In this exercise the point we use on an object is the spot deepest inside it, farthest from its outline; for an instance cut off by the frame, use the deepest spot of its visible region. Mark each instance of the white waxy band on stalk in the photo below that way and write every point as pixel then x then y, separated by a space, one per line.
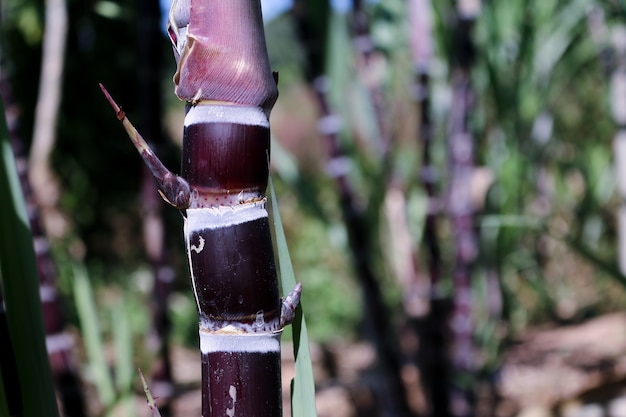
pixel 218 113
pixel 224 216
pixel 251 342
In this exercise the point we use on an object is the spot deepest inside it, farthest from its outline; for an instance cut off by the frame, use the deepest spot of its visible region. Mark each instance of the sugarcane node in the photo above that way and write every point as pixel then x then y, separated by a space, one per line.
pixel 120 115
pixel 175 191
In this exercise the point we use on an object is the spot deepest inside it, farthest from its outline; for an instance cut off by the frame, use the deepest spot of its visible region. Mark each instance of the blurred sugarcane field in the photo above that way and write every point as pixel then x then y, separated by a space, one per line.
pixel 449 177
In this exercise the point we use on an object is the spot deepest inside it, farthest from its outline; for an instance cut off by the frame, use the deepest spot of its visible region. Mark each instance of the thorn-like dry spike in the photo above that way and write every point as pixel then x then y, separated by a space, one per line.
pixel 290 304
pixel 174 189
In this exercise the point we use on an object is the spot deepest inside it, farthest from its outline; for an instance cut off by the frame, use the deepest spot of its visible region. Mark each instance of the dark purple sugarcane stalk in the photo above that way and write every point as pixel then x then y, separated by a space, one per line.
pixel 376 318
pixel 422 50
pixel 462 223
pixel 391 391
pixel 224 77
pixel 59 342
pixel 460 209
pixel 617 69
pixel 433 328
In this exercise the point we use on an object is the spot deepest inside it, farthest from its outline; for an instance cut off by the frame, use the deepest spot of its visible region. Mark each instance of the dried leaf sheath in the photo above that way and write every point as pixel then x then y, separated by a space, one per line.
pixel 223 57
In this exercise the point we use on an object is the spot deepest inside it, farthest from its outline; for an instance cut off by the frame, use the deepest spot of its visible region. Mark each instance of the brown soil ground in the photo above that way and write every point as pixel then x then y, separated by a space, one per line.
pixel 573 371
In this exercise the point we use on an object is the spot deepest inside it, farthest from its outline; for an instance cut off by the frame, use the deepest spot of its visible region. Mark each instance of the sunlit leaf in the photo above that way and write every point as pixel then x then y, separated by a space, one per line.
pixel 90 328
pixel 303 385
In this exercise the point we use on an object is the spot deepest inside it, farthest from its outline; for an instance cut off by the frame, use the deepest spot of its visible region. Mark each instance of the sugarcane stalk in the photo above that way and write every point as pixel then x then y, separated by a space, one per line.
pixel 391 392
pixel 432 328
pixel 618 110
pixel 224 77
pixel 460 209
pixel 422 51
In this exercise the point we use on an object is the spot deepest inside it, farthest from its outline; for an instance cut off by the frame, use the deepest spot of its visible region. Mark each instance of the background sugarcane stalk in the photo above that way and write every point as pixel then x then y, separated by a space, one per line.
pixel 422 50
pixel 460 210
pixel 391 392
pixel 618 110
pixel 432 326
pixel 376 320
pixel 224 76
pixel 368 64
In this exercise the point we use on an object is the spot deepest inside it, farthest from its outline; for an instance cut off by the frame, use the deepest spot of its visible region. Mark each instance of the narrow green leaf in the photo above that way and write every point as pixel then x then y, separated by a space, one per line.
pixel 339 66
pixel 4 405
pixel 303 385
pixel 18 269
pixel 90 328
pixel 11 395
pixel 122 339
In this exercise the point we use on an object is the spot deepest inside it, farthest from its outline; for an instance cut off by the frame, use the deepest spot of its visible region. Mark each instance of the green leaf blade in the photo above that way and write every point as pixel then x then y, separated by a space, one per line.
pixel 303 384
pixel 20 280
pixel 90 327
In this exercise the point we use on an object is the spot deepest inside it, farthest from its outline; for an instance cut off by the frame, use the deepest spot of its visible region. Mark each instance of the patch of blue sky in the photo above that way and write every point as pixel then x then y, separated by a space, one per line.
pixel 274 8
